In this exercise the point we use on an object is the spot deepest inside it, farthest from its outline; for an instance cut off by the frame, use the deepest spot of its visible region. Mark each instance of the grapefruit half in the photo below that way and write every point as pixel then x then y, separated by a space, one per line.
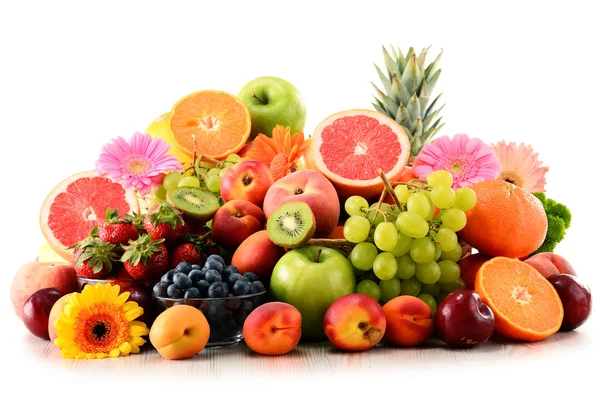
pixel 350 146
pixel 78 204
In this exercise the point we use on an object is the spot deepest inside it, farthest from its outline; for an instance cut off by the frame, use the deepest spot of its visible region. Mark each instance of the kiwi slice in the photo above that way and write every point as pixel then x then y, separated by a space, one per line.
pixel 291 225
pixel 194 202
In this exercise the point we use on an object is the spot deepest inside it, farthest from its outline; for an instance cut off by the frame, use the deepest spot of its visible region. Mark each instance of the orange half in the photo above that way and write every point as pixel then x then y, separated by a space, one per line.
pixel 210 123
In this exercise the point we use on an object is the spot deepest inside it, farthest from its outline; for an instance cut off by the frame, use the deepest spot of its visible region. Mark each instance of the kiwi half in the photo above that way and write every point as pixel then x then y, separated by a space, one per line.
pixel 194 202
pixel 291 225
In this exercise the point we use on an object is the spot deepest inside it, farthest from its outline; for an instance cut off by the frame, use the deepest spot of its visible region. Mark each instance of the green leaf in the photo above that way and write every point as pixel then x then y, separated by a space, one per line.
pixel 389 103
pixel 402 117
pixel 422 57
pixel 432 80
pixel 430 117
pixel 401 62
pixel 417 127
pixel 390 64
pixel 379 107
pixel 411 78
pixel 432 132
pixel 413 108
pixel 423 98
pixel 433 67
pixel 387 84
pixel 432 105
pixel 399 92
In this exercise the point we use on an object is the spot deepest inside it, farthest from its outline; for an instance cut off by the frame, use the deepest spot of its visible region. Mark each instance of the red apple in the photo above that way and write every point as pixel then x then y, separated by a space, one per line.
pixel 235 221
pixel 36 275
pixel 36 311
pixel 312 188
pixel 247 180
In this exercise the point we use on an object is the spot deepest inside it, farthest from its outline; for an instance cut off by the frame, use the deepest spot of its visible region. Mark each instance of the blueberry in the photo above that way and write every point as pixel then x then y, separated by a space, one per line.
pixel 241 288
pixel 229 294
pixel 174 292
pixel 203 287
pixel 168 277
pixel 217 258
pixel 211 263
pixel 213 276
pixel 229 270
pixel 251 276
pixel 196 266
pixel 184 267
pixel 258 286
pixel 246 308
pixel 192 293
pixel 234 277
pixel 182 281
pixel 196 275
pixel 160 289
pixel 252 289
pixel 232 304
pixel 217 290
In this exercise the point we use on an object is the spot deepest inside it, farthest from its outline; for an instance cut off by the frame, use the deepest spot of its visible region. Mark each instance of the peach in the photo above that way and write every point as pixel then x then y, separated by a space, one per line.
pixel 354 322
pixel 247 180
pixel 57 308
pixel 235 221
pixel 550 264
pixel 257 254
pixel 37 275
pixel 469 267
pixel 273 329
pixel 409 321
pixel 312 188
pixel 181 331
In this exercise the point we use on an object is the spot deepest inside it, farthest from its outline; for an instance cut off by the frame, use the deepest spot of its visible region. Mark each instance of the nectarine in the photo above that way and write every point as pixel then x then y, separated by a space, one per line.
pixel 247 180
pixel 235 221
pixel 548 263
pixel 273 329
pixel 257 254
pixel 409 321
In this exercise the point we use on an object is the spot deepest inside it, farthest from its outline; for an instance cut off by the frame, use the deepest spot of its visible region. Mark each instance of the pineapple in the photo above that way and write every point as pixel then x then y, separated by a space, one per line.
pixel 407 86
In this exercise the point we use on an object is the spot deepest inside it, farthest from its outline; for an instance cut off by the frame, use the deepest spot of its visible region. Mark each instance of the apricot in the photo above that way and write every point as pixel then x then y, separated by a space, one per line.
pixel 273 329
pixel 257 254
pixel 354 322
pixel 409 321
pixel 180 332
pixel 548 264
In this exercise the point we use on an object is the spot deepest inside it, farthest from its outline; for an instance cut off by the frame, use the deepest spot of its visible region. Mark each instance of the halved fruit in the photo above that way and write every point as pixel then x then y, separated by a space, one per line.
pixel 292 225
pixel 525 304
pixel 200 205
pixel 210 123
pixel 351 146
pixel 78 204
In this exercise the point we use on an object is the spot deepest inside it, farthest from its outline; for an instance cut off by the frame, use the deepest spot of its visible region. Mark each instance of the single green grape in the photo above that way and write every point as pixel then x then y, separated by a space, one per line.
pixel 412 225
pixel 189 181
pixel 383 208
pixel 385 266
pixel 402 245
pixel 406 267
pixel 422 250
pixel 402 192
pixel 223 171
pixel 369 288
pixel 171 180
pixel 356 229
pixel 458 284
pixel 386 236
pixel 466 198
pixel 440 178
pixel 233 158
pixel 161 193
pixel 432 289
pixel 411 287
pixel 213 171
pixel 390 289
pixel 356 205
pixel 446 238
pixel 438 253
pixel 207 164
pixel 363 255
pixel 213 183
pixel 453 255
pixel 453 219
pixel 428 272
pixel 443 197
pixel 450 272
pixel 418 204
pixel 430 301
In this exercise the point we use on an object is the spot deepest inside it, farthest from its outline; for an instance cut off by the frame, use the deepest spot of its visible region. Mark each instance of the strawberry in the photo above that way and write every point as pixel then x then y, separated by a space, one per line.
pixel 93 257
pixel 145 258
pixel 115 230
pixel 193 250
pixel 165 222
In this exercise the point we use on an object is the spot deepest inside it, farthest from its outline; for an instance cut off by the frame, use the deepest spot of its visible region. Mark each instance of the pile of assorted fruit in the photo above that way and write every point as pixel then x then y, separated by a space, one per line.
pixel 224 222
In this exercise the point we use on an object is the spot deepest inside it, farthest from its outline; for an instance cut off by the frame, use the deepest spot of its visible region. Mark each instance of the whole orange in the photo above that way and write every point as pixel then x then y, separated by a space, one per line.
pixel 506 221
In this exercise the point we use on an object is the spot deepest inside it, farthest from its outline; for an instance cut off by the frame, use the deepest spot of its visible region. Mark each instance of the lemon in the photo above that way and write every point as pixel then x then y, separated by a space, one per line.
pixel 159 128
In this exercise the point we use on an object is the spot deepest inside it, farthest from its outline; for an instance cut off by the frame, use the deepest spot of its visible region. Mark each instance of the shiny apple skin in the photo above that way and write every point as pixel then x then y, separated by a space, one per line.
pixel 576 298
pixel 36 311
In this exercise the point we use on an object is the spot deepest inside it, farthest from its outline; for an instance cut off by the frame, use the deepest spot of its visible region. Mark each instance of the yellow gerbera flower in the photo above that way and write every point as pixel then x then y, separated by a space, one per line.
pixel 98 323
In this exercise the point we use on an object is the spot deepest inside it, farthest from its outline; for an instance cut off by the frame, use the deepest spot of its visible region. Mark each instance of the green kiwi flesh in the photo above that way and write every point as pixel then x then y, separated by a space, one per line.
pixel 194 202
pixel 292 225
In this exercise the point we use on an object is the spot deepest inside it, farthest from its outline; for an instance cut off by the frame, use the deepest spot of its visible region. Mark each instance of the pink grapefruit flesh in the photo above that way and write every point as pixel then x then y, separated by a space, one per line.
pixel 351 146
pixel 77 204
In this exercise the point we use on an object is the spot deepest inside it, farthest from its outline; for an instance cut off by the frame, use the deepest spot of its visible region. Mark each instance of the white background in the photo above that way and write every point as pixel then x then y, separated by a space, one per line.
pixel 74 75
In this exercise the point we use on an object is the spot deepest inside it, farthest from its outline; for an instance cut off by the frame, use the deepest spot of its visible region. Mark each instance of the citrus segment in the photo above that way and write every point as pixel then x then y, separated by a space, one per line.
pixel 351 146
pixel 78 204
pixel 526 306
pixel 211 123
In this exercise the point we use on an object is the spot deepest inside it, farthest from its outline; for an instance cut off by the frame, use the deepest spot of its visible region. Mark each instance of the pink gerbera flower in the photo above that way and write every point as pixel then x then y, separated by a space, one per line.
pixel 520 166
pixel 138 164
pixel 468 160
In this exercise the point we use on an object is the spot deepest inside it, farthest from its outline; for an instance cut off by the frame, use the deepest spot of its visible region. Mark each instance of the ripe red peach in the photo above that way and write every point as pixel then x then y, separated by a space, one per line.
pixel 469 267
pixel 550 264
pixel 247 180
pixel 273 329
pixel 257 254
pixel 409 321
pixel 354 322
pixel 235 221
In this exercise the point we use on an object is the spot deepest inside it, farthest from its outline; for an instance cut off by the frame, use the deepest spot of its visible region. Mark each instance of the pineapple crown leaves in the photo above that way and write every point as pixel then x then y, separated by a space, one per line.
pixel 136 220
pixel 406 95
pixel 167 214
pixel 140 250
pixel 97 254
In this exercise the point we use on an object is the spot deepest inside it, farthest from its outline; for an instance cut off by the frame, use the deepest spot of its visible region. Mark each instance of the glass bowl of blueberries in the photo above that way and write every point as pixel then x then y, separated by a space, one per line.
pixel 224 296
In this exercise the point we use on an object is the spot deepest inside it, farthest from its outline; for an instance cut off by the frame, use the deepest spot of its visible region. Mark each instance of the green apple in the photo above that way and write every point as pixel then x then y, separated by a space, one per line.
pixel 273 101
pixel 311 278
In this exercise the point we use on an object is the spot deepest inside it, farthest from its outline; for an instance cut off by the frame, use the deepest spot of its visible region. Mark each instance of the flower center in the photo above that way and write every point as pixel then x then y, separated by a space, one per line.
pixel 279 165
pixel 100 328
pixel 456 168
pixel 137 164
pixel 100 331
